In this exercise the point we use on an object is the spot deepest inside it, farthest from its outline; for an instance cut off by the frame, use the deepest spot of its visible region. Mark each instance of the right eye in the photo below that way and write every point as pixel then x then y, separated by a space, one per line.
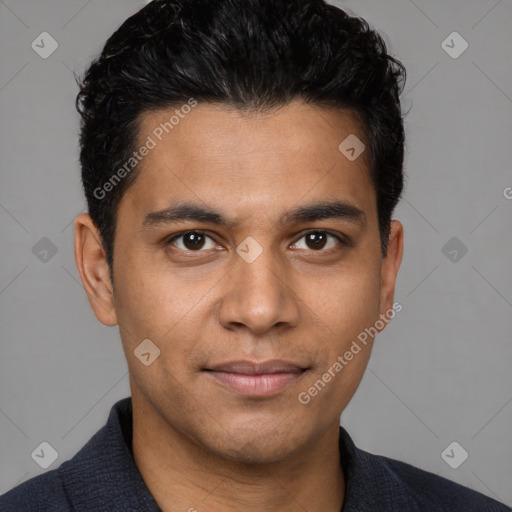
pixel 191 241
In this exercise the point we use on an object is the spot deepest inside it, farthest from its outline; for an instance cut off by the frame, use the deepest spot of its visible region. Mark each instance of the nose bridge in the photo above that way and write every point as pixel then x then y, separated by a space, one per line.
pixel 259 296
pixel 259 265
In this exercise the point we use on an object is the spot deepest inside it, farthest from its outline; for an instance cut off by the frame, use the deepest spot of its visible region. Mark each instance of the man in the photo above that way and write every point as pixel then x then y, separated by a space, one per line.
pixel 241 162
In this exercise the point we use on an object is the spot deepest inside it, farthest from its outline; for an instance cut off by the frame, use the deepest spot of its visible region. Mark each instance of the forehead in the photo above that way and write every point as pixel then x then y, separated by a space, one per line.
pixel 249 162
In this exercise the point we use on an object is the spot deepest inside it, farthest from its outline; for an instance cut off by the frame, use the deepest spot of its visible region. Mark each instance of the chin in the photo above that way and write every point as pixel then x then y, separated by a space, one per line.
pixel 256 445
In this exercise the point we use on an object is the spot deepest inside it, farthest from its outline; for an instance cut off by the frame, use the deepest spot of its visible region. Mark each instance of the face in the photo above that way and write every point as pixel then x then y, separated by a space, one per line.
pixel 252 303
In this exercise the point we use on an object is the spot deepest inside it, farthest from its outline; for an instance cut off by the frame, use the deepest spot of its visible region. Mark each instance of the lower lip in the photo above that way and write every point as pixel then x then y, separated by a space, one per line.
pixel 265 385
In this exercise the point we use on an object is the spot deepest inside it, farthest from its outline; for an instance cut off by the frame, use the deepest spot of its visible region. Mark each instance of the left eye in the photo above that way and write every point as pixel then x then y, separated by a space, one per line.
pixel 317 240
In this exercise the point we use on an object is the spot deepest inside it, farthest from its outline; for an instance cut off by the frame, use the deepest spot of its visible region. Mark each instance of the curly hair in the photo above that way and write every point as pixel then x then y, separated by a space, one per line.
pixel 254 55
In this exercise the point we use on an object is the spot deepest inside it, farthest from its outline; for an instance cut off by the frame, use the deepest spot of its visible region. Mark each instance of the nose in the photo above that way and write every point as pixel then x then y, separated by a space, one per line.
pixel 260 295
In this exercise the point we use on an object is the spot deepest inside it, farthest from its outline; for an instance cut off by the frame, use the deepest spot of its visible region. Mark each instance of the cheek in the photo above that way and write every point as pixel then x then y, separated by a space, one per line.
pixel 344 349
pixel 172 312
pixel 348 304
pixel 348 301
pixel 149 302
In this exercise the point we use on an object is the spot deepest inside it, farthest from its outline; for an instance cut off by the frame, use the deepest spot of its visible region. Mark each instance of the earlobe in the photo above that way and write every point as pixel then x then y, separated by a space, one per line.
pixel 391 265
pixel 93 269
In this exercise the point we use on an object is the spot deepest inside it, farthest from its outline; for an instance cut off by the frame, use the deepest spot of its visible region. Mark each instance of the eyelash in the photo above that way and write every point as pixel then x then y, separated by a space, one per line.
pixel 340 239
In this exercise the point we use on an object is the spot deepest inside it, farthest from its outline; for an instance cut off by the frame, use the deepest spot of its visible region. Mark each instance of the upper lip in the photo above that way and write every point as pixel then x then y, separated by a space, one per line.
pixel 257 368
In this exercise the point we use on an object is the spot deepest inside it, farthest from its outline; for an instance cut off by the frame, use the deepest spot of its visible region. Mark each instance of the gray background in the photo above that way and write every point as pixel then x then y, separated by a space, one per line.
pixel 439 373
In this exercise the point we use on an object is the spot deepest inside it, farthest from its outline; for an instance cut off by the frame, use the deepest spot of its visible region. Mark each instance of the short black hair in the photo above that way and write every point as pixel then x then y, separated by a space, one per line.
pixel 253 55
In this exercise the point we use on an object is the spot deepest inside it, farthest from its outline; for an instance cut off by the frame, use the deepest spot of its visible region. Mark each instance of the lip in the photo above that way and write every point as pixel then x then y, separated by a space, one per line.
pixel 256 379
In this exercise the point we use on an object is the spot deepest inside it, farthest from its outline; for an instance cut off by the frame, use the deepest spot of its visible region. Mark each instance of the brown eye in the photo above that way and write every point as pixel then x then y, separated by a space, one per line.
pixel 191 241
pixel 318 240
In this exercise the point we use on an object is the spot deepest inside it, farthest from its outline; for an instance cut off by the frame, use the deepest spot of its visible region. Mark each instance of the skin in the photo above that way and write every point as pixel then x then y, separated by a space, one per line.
pixel 199 445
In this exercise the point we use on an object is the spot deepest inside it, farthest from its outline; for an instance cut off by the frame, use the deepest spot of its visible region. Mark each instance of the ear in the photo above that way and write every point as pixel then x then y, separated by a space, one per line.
pixel 92 266
pixel 390 265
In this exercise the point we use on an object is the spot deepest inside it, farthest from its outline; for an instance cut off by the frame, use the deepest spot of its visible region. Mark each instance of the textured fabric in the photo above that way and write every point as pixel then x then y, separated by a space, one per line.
pixel 103 477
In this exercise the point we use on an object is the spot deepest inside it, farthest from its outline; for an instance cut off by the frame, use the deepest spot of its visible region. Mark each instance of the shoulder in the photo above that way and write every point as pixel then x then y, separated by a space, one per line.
pixel 433 492
pixel 60 489
pixel 376 482
pixel 43 493
pixel 102 475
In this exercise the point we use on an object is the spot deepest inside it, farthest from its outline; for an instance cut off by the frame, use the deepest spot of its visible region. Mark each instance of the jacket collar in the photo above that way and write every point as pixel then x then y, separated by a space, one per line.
pixel 370 483
pixel 103 474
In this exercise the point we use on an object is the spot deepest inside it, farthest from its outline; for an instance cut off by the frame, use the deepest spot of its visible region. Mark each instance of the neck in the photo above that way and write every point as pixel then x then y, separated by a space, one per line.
pixel 182 475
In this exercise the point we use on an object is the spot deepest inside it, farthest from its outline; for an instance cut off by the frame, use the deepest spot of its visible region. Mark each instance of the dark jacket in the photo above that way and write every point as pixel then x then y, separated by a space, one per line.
pixel 103 477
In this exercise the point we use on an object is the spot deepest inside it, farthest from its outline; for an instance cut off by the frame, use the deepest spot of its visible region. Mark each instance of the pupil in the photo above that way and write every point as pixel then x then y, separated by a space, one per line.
pixel 193 240
pixel 317 239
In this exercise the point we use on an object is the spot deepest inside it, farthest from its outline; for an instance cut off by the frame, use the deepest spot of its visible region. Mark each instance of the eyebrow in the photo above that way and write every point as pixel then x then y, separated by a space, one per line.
pixel 323 210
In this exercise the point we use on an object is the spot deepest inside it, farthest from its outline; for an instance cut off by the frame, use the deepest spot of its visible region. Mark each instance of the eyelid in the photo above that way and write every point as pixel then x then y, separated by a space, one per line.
pixel 340 237
pixel 170 239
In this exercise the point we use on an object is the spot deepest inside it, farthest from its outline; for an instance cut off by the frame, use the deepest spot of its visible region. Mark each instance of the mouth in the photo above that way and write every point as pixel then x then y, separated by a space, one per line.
pixel 256 380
